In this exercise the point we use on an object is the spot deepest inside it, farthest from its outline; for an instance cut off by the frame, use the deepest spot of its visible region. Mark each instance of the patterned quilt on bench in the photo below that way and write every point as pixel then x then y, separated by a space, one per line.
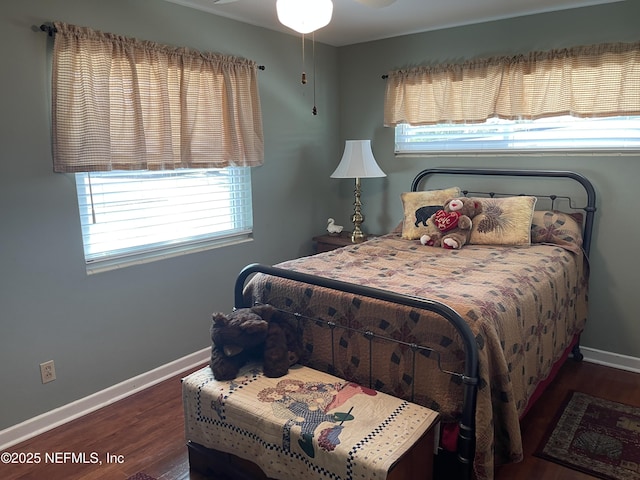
pixel 305 423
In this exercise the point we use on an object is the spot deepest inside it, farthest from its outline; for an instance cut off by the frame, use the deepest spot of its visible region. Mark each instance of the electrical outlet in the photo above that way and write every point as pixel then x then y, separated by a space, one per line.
pixel 48 371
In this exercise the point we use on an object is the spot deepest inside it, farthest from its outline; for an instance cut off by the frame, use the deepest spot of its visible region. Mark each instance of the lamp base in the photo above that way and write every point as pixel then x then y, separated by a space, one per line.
pixel 357 218
pixel 357 236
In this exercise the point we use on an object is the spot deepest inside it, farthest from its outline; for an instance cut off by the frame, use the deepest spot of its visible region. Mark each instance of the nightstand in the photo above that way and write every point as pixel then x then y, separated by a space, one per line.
pixel 327 242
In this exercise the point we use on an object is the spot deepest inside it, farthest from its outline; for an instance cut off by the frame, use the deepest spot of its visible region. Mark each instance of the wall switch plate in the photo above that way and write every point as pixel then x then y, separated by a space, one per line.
pixel 48 371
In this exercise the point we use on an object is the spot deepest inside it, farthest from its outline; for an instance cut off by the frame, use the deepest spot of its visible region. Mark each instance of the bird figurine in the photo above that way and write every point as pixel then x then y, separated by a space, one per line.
pixel 332 228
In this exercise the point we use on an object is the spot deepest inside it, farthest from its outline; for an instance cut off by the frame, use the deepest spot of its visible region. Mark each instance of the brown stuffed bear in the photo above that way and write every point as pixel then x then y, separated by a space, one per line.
pixel 451 226
pixel 253 333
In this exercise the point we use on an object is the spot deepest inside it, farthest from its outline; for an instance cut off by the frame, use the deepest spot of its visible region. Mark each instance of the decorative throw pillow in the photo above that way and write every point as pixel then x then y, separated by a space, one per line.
pixel 558 228
pixel 419 206
pixel 504 221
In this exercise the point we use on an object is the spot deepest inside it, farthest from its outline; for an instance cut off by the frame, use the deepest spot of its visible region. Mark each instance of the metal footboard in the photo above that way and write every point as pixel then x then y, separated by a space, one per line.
pixel 469 378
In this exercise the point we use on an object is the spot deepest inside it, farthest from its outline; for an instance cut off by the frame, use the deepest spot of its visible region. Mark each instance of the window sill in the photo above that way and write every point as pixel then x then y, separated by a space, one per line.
pixel 99 266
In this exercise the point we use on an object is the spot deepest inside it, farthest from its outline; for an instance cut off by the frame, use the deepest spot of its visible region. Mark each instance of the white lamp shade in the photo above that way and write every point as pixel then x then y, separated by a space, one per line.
pixel 304 16
pixel 358 161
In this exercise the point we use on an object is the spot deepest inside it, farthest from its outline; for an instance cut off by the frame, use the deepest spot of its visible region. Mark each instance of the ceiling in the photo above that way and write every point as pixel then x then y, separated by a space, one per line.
pixel 354 22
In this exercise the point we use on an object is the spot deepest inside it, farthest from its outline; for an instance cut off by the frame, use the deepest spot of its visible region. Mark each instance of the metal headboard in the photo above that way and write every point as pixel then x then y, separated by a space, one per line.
pixel 589 209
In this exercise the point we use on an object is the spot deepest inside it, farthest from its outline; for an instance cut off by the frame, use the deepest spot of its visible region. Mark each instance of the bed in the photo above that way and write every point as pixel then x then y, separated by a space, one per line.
pixel 474 334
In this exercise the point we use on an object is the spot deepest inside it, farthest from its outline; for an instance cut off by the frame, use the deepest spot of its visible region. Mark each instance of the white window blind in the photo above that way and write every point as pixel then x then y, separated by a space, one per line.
pixel 128 217
pixel 555 134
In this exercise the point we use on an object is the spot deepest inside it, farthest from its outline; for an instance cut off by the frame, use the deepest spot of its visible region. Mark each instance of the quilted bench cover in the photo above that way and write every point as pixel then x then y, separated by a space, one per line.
pixel 307 423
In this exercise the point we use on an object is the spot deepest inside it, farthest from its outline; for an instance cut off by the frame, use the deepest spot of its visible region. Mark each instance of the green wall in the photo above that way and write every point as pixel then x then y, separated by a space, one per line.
pixel 614 310
pixel 106 328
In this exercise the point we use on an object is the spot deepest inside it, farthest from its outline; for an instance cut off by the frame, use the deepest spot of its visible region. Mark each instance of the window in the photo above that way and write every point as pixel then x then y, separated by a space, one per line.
pixel 554 134
pixel 130 217
pixel 581 98
pixel 161 140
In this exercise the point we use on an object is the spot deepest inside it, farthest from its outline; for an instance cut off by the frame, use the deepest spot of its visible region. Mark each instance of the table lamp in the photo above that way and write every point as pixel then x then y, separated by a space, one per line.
pixel 357 162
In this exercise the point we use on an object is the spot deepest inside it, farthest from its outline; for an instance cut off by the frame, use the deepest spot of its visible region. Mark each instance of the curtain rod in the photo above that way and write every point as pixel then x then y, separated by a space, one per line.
pixel 50 30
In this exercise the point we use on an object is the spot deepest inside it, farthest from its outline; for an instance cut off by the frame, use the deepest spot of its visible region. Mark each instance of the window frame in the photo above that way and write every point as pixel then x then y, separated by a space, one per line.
pixel 238 187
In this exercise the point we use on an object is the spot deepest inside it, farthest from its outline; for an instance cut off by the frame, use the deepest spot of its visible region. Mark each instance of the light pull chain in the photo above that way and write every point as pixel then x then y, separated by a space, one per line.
pixel 313 44
pixel 303 80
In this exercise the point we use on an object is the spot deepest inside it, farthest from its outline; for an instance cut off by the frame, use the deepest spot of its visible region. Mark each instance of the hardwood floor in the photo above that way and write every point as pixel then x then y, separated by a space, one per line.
pixel 603 382
pixel 144 433
pixel 145 429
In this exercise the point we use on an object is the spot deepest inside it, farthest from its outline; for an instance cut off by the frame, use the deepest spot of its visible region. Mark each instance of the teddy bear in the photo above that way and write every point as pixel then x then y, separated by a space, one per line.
pixel 450 227
pixel 259 332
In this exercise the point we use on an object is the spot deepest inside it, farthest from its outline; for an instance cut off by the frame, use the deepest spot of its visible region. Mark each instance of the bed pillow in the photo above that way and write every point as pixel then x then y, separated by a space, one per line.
pixel 558 228
pixel 417 206
pixel 504 221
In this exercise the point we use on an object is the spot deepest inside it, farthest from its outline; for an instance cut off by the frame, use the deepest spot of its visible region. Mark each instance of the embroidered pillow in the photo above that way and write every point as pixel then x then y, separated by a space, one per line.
pixel 419 206
pixel 504 221
pixel 558 228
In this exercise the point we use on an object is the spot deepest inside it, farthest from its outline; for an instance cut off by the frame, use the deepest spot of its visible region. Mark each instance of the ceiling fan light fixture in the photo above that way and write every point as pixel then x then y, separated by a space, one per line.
pixel 304 16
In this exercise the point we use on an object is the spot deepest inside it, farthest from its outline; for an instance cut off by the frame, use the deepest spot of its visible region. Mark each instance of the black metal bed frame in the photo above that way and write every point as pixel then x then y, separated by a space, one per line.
pixel 466 435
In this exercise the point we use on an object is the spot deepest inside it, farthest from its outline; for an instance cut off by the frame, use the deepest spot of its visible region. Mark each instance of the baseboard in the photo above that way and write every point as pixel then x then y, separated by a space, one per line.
pixel 615 360
pixel 59 416
pixel 54 418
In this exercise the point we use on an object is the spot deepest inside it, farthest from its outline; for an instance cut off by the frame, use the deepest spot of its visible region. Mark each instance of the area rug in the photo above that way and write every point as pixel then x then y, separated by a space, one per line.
pixel 141 476
pixel 595 436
